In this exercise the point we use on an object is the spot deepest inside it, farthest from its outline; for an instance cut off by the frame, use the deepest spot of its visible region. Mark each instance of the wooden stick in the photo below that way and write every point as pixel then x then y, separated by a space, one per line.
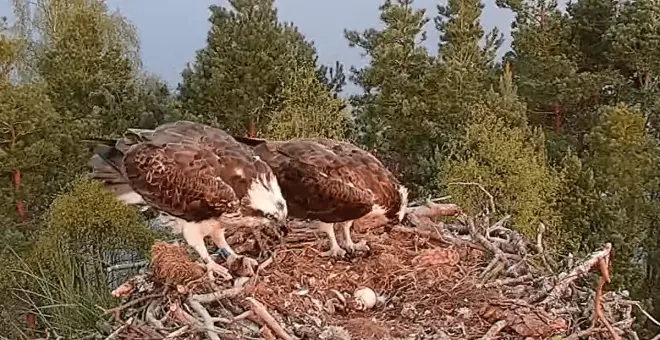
pixel 261 312
pixel 131 303
pixel 219 295
pixel 494 330
pixel 208 321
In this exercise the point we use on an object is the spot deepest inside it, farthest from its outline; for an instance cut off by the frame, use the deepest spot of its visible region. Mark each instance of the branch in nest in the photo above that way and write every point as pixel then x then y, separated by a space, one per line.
pixel 432 210
pixel 481 187
pixel 593 331
pixel 131 303
pixel 638 305
pixel 206 317
pixel 579 271
pixel 603 263
pixel 504 282
pixel 494 330
pixel 125 266
pixel 218 295
pixel 261 312
pixel 177 333
pixel 118 331
pixel 487 244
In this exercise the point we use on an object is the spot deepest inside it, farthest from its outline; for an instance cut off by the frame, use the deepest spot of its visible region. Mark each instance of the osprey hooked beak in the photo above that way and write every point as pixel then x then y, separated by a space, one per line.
pixel 279 217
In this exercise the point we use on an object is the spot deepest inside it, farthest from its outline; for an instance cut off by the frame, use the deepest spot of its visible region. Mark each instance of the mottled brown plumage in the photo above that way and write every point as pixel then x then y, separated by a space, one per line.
pixel 198 175
pixel 332 181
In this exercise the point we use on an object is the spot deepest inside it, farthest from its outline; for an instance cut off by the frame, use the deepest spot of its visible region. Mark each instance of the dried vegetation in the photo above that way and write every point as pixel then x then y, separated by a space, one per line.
pixel 468 279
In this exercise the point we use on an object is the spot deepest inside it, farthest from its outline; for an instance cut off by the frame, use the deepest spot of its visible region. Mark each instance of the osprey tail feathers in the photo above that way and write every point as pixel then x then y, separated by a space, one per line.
pixel 107 165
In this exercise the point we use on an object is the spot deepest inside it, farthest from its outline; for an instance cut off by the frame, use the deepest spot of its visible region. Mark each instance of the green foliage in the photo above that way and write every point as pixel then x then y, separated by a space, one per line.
pixel 393 115
pixel 64 272
pixel 576 201
pixel 308 110
pixel 624 161
pixel 509 162
pixel 30 140
pixel 241 73
pixel 88 219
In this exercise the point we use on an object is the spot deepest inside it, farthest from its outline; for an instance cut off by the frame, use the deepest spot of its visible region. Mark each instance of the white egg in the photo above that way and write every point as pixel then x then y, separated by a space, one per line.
pixel 365 298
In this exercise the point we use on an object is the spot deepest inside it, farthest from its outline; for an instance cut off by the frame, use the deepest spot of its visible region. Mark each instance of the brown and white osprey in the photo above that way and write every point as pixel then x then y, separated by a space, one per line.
pixel 198 175
pixel 333 182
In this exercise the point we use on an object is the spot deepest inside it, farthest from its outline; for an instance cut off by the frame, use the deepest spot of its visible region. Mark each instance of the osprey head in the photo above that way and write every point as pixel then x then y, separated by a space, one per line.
pixel 266 198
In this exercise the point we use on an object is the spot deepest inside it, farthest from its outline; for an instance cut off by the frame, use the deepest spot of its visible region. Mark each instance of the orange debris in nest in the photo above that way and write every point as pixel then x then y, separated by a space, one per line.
pixel 171 264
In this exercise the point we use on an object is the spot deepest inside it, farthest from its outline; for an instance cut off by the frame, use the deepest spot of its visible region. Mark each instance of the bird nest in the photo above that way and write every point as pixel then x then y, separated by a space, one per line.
pixel 432 280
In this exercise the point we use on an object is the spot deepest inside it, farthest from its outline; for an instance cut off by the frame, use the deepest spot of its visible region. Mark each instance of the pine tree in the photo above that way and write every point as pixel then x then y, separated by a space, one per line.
pixel 560 94
pixel 393 112
pixel 89 59
pixel 635 39
pixel 507 158
pixel 241 73
pixel 308 110
pixel 623 158
pixel 465 69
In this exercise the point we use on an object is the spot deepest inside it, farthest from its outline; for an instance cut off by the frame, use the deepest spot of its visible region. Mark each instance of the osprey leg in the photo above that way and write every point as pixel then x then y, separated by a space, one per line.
pixel 194 234
pixel 218 237
pixel 348 242
pixel 335 250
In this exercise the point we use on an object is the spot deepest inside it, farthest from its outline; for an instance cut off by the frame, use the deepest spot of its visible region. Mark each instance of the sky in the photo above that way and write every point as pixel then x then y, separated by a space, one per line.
pixel 172 30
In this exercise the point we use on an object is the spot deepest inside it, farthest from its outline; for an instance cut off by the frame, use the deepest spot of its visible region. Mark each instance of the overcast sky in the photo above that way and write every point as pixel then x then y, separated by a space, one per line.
pixel 172 30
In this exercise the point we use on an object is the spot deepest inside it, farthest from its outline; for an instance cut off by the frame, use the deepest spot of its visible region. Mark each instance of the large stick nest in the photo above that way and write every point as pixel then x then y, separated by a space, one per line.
pixel 462 280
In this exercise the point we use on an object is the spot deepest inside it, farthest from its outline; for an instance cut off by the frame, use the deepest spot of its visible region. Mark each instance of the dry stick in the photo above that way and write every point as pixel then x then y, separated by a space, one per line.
pixel 151 318
pixel 481 187
pixel 219 295
pixel 598 303
pixel 499 225
pixel 208 321
pixel 494 330
pixel 261 312
pixel 638 305
pixel 131 303
pixel 541 249
pixel 431 209
pixel 592 331
pixel 579 271
pixel 488 268
pixel 504 282
pixel 120 329
pixel 487 244
pixel 176 333
pixel 127 266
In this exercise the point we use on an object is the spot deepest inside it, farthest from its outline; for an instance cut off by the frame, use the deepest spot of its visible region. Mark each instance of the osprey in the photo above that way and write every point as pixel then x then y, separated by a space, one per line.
pixel 333 182
pixel 199 177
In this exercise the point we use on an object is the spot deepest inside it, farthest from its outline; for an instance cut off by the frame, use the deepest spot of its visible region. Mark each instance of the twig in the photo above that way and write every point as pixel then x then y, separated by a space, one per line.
pixel 540 248
pixel 150 316
pixel 176 333
pixel 494 330
pixel 598 303
pixel 208 321
pixel 504 282
pixel 487 244
pixel 428 199
pixel 638 305
pixel 591 331
pixel 431 209
pixel 219 295
pixel 131 303
pixel 481 187
pixel 261 312
pixel 499 225
pixel 127 266
pixel 579 271
pixel 120 329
